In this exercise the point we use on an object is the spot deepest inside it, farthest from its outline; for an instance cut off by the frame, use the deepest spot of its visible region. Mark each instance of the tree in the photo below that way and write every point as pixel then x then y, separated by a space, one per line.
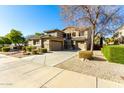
pixel 4 40
pixel 16 37
pixel 1 41
pixel 101 19
pixel 38 34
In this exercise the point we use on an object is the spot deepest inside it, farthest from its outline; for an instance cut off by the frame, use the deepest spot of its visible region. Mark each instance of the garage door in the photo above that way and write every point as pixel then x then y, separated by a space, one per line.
pixel 56 45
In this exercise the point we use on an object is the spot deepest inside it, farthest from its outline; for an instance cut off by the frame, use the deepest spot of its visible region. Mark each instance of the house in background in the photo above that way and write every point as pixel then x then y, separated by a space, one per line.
pixel 68 38
pixel 52 40
pixel 119 35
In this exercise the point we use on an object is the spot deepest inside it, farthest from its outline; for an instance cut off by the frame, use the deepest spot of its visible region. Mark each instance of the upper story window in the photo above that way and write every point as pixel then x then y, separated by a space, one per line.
pixel 81 33
pixel 74 34
pixel 120 33
pixel 36 42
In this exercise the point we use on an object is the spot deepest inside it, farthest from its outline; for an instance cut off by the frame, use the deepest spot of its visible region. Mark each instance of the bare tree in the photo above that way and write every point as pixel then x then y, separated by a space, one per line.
pixel 101 19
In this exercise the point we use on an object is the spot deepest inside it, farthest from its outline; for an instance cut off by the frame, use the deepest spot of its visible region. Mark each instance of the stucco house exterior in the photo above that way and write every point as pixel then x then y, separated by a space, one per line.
pixel 119 35
pixel 68 38
pixel 77 36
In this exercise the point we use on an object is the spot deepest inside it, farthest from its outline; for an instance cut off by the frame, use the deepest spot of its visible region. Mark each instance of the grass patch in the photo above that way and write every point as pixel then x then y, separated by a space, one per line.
pixel 114 53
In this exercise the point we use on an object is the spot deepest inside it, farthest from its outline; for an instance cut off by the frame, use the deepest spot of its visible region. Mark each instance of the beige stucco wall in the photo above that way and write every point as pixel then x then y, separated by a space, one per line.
pixel 53 34
pixel 47 44
pixel 121 31
pixel 31 43
pixel 60 34
pixel 56 34
pixel 86 34
pixel 72 30
pixel 39 43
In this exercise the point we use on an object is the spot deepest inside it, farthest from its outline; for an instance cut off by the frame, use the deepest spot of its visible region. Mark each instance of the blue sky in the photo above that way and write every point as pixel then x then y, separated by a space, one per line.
pixel 30 19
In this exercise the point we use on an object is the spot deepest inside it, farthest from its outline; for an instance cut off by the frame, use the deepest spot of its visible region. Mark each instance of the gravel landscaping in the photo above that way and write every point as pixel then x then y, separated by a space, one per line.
pixel 17 54
pixel 98 67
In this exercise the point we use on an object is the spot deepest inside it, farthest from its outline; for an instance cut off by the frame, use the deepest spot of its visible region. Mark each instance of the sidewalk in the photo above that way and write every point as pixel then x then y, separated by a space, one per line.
pixel 37 76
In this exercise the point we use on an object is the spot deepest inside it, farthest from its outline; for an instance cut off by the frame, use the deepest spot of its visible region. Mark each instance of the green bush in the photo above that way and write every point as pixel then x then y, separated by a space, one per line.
pixel 40 50
pixel 34 51
pixel 114 53
pixel 30 48
pixel 44 50
pixel 6 49
pixel 24 48
pixel 85 54
pixel 0 49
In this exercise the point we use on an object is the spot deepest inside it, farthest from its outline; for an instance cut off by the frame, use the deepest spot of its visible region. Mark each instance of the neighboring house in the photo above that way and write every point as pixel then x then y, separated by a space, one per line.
pixel 52 40
pixel 120 31
pixel 68 38
pixel 119 35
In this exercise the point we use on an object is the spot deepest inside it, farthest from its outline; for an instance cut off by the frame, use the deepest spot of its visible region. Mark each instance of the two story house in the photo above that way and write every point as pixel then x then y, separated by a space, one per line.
pixel 68 38
pixel 77 37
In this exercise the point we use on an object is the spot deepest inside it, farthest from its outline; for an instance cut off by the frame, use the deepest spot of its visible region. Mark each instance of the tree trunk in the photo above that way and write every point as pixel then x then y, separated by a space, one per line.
pixel 92 40
pixel 101 41
pixel 3 45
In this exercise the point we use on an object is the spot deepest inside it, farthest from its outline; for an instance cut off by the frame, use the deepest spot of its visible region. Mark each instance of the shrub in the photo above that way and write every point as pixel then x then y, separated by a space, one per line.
pixel 44 50
pixel 0 48
pixel 40 50
pixel 85 54
pixel 30 48
pixel 114 53
pixel 20 47
pixel 34 51
pixel 24 48
pixel 6 49
pixel 34 47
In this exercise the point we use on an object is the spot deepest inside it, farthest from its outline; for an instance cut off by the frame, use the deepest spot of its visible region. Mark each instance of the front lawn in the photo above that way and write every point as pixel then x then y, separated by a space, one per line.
pixel 114 53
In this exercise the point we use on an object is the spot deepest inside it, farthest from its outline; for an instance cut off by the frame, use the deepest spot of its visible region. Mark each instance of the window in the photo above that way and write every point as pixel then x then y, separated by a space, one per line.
pixel 120 33
pixel 74 34
pixel 36 42
pixel 64 35
pixel 81 33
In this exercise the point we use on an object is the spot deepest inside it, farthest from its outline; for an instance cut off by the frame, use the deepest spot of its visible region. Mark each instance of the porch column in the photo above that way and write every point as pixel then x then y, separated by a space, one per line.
pixel 42 43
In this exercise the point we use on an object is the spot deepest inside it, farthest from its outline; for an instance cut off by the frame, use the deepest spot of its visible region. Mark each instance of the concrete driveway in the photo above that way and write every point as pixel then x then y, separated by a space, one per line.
pixel 31 72
pixel 51 59
pixel 6 59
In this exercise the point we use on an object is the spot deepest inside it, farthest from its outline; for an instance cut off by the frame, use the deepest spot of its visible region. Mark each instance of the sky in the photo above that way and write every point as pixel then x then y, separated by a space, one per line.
pixel 30 19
